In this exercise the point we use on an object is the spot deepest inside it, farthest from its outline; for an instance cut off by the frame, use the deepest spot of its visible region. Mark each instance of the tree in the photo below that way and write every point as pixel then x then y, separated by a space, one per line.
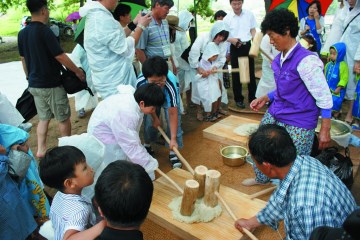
pixel 7 4
pixel 201 8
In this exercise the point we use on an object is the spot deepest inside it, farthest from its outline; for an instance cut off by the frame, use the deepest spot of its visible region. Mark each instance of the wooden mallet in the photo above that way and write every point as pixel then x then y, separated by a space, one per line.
pixel 256 48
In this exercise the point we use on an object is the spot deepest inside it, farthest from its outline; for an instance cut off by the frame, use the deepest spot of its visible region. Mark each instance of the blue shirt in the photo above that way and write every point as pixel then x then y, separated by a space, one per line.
pixel 171 89
pixel 309 196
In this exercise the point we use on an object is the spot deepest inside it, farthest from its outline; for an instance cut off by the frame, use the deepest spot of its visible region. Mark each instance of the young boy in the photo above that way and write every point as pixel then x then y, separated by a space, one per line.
pixel 337 75
pixel 156 70
pixel 124 193
pixel 206 86
pixel 65 169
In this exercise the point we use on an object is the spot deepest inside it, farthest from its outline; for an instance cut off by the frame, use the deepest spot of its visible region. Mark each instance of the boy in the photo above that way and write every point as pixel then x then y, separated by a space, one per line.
pixel 116 123
pixel 65 169
pixel 337 75
pixel 155 70
pixel 124 193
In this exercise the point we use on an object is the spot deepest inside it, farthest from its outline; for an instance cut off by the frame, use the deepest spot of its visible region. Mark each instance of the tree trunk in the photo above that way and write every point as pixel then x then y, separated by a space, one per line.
pixel 189 197
pixel 212 185
pixel 199 176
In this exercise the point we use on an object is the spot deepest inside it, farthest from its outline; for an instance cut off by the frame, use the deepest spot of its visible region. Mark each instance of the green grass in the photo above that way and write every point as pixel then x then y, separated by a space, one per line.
pixel 9 52
pixel 10 23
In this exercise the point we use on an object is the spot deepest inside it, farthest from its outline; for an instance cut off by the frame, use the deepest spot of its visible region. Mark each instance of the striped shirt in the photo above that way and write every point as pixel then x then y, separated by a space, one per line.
pixel 171 89
pixel 154 37
pixel 70 211
pixel 308 197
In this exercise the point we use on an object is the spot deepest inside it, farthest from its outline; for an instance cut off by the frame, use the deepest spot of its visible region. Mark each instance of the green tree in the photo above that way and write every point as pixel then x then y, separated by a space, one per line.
pixel 71 4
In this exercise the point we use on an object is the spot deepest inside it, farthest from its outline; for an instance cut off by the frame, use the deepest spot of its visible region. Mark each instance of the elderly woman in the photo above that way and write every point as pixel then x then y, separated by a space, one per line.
pixel 314 23
pixel 218 34
pixel 301 90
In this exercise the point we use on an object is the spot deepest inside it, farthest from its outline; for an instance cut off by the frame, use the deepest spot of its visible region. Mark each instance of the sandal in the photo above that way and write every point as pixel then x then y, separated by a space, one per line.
pixel 355 126
pixel 223 112
pixel 210 118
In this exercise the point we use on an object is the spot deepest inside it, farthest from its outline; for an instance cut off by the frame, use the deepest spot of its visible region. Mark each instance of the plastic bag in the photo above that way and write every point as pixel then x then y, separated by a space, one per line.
pixel 339 164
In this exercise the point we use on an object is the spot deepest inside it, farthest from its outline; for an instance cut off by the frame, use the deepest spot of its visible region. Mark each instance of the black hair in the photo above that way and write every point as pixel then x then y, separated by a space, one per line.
pixel 272 143
pixel 311 40
pixel 280 21
pixel 35 5
pixel 155 66
pixel 172 33
pixel 151 94
pixel 237 0
pixel 223 33
pixel 168 3
pixel 121 10
pixel 59 164
pixel 318 5
pixel 124 192
pixel 219 13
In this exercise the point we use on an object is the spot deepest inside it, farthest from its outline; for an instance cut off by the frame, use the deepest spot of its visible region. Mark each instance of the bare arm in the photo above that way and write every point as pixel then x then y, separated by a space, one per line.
pixel 253 32
pixel 324 134
pixel 90 233
pixel 173 118
pixel 66 61
pixel 24 67
pixel 140 55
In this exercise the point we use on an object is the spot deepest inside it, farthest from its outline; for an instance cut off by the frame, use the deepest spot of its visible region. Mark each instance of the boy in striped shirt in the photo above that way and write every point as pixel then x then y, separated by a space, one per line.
pixel 65 169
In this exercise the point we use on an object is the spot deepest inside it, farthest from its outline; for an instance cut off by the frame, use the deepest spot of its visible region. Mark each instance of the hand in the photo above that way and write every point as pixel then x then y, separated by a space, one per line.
pixel 203 73
pixel 24 147
pixel 145 20
pixel 173 143
pixel 233 41
pixel 249 224
pixel 136 19
pixel 357 67
pixel 214 69
pixel 316 15
pixel 337 90
pixel 324 134
pixel 80 74
pixel 307 28
pixel 258 103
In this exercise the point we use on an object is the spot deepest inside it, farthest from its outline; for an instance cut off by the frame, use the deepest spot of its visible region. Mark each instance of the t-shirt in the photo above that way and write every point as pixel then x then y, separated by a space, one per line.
pixel 39 46
pixel 70 211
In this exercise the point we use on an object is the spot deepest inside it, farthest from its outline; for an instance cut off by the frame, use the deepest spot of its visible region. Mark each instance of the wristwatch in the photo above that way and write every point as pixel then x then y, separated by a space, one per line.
pixel 141 26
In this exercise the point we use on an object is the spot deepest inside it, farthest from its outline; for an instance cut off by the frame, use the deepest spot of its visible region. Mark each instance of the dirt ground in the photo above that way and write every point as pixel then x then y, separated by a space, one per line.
pixel 198 151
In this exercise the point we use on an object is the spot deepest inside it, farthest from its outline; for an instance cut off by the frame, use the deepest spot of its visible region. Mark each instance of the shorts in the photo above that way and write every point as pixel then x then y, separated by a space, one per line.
pixel 51 102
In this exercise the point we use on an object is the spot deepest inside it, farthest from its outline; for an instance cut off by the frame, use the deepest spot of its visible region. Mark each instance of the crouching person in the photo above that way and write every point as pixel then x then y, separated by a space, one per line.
pixel 309 194
pixel 123 192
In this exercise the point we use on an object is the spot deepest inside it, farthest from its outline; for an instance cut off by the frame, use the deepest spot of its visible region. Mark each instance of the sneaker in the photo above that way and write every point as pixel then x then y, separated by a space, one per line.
pixel 251 182
pixel 25 126
pixel 240 105
pixel 149 150
pixel 355 126
pixel 175 162
pixel 81 113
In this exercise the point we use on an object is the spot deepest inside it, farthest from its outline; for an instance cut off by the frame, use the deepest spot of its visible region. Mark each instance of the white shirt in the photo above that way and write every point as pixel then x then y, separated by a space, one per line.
pixel 70 211
pixel 240 25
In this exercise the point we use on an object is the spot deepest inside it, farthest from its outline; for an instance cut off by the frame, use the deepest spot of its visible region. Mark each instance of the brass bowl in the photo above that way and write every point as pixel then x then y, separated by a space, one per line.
pixel 338 128
pixel 233 156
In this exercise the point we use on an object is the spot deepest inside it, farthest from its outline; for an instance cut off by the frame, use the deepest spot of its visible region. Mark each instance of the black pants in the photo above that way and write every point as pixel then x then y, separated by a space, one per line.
pixel 237 86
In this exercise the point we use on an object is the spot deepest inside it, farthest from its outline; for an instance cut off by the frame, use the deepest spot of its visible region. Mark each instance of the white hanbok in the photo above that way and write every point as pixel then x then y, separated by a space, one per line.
pixel 108 50
pixel 116 122
pixel 208 87
pixel 198 48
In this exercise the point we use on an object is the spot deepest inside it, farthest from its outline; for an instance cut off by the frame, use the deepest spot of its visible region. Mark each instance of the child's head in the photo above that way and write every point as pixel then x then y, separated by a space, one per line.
pixel 308 41
pixel 155 70
pixel 211 52
pixel 124 192
pixel 333 54
pixel 219 15
pixel 65 168
pixel 149 96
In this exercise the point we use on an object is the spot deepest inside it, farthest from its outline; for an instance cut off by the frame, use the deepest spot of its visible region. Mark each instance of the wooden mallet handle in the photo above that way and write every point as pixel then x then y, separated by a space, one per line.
pixel 263 192
pixel 170 180
pixel 181 158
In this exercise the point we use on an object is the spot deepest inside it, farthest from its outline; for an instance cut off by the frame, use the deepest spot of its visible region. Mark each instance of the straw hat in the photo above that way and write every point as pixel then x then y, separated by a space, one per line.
pixel 174 23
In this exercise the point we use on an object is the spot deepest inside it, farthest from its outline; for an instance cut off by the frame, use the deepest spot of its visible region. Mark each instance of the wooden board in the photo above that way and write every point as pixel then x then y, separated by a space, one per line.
pixel 219 228
pixel 223 131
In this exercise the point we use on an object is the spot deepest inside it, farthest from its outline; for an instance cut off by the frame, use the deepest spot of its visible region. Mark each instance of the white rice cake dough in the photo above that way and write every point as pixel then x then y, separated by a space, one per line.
pixel 246 129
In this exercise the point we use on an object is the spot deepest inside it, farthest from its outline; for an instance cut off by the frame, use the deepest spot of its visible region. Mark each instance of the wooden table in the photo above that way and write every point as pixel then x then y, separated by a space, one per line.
pixel 219 228
pixel 223 131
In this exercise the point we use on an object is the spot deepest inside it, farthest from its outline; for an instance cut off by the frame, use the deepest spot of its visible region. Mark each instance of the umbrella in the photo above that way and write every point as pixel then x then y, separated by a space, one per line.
pixel 298 7
pixel 72 16
pixel 136 6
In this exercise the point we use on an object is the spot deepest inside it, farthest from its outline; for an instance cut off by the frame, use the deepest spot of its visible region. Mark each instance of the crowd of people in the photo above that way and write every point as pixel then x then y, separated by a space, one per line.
pixel 141 69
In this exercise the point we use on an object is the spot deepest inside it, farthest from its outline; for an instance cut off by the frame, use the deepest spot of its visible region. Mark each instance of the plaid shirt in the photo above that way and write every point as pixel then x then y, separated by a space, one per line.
pixel 309 196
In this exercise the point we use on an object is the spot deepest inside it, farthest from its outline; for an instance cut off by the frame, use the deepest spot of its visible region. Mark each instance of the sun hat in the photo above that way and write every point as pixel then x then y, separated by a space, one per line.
pixel 174 23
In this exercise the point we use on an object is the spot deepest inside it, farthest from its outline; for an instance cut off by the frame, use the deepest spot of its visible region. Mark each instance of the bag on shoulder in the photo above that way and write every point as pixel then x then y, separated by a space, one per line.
pixel 26 105
pixel 71 83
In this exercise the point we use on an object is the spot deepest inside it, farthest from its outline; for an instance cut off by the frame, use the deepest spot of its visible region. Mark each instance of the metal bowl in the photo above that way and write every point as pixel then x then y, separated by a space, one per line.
pixel 233 156
pixel 338 128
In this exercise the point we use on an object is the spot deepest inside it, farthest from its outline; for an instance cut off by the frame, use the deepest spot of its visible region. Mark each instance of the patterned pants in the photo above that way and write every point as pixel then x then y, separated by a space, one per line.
pixel 303 140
